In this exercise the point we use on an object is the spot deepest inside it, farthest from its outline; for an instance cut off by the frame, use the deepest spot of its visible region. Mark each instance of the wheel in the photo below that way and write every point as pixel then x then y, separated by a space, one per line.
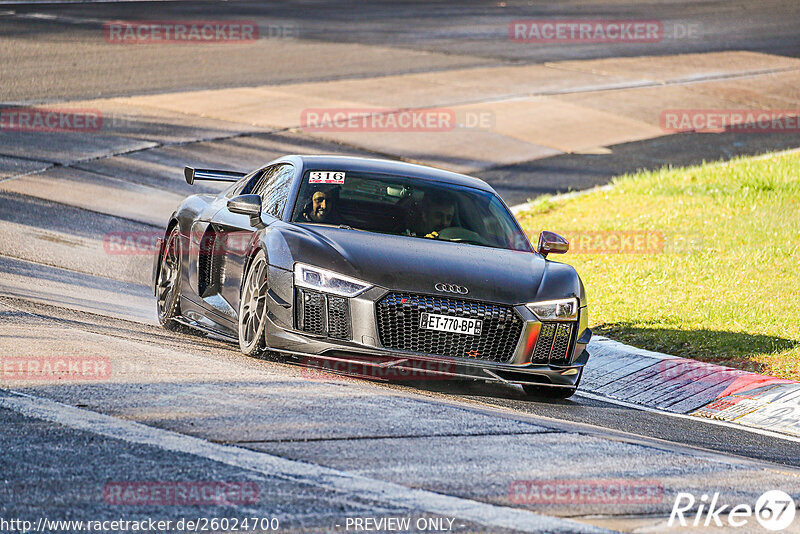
pixel 169 283
pixel 253 307
pixel 547 392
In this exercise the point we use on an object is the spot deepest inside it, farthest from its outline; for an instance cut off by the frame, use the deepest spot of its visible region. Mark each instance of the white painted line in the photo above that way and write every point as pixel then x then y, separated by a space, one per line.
pixel 752 430
pixel 603 345
pixel 354 486
pixel 516 209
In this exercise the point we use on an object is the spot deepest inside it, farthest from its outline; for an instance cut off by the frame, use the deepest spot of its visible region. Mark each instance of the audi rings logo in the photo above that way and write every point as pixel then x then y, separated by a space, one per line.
pixel 451 288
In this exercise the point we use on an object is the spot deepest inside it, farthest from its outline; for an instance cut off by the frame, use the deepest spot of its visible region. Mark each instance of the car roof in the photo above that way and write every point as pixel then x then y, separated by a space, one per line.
pixel 356 164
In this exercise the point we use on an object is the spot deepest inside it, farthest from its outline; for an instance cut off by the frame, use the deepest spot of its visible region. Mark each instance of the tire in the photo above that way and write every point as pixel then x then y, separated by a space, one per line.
pixel 168 288
pixel 253 307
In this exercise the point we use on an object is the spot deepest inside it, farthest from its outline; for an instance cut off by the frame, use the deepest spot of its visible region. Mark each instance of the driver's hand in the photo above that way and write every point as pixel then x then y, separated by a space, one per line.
pixel 433 235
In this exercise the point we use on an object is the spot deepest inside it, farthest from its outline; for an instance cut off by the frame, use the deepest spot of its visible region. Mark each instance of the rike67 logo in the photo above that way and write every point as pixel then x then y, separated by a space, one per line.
pixel 773 510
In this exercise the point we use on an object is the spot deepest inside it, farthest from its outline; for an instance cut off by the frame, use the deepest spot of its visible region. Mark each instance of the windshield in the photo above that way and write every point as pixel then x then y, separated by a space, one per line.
pixel 406 206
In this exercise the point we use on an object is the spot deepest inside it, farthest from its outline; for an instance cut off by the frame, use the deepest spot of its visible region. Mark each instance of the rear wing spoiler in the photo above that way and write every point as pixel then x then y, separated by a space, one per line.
pixel 191 174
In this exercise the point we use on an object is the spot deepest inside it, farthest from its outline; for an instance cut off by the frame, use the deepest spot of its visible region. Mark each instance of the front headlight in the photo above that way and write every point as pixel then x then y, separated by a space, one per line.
pixel 555 310
pixel 327 281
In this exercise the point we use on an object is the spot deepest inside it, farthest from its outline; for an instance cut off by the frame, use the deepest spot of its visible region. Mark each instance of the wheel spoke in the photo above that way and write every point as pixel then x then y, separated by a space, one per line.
pixel 250 327
pixel 253 281
pixel 253 303
pixel 168 277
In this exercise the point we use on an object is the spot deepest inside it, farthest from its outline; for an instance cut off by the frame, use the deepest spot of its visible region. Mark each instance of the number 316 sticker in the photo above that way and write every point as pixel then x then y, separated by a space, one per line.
pixel 325 177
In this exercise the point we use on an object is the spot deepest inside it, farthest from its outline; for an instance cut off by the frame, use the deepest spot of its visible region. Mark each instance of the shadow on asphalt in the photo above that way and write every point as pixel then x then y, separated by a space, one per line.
pixel 521 182
pixel 474 389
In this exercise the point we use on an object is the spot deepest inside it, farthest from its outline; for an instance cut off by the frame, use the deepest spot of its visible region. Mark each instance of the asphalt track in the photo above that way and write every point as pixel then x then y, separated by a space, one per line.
pixel 50 43
pixel 64 294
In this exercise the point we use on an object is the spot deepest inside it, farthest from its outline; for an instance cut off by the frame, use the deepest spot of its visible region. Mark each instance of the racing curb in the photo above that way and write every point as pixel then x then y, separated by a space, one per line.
pixel 684 386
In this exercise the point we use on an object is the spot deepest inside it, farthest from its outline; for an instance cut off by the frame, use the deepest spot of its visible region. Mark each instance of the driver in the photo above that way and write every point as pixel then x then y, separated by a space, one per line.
pixel 436 212
pixel 321 208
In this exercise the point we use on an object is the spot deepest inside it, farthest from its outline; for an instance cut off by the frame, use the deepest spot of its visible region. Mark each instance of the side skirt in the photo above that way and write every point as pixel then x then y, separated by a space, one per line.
pixel 206 330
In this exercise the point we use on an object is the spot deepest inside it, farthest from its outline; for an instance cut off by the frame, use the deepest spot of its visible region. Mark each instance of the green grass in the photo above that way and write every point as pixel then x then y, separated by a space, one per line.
pixel 725 287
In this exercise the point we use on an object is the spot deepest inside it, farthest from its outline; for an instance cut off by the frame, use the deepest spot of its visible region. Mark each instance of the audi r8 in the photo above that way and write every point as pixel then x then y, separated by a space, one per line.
pixel 385 265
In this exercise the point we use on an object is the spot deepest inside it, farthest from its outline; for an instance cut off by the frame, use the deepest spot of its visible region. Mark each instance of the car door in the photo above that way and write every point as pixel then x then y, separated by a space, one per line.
pixel 201 235
pixel 233 235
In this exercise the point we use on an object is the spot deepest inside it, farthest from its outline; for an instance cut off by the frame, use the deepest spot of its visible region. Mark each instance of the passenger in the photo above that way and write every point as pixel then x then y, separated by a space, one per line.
pixel 322 208
pixel 436 212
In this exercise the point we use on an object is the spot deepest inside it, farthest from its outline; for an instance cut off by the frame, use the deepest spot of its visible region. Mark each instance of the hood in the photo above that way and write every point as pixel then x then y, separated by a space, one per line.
pixel 416 265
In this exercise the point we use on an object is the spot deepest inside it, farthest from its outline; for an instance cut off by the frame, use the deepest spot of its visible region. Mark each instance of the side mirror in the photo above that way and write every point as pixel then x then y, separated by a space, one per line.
pixel 550 242
pixel 249 205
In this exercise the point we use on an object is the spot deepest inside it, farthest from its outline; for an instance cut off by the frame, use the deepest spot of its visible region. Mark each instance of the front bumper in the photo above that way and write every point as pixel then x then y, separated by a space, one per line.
pixel 362 353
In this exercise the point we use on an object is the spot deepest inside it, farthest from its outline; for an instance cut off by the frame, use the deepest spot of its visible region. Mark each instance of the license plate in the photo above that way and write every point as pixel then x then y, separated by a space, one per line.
pixel 446 323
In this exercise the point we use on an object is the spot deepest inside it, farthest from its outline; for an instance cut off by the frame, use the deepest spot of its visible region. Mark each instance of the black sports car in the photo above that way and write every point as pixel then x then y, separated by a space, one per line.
pixel 379 264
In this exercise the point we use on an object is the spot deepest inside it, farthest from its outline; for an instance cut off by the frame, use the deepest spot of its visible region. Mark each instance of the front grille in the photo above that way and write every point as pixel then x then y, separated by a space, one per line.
pixel 311 308
pixel 544 343
pixel 338 317
pixel 321 314
pixel 553 343
pixel 399 327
